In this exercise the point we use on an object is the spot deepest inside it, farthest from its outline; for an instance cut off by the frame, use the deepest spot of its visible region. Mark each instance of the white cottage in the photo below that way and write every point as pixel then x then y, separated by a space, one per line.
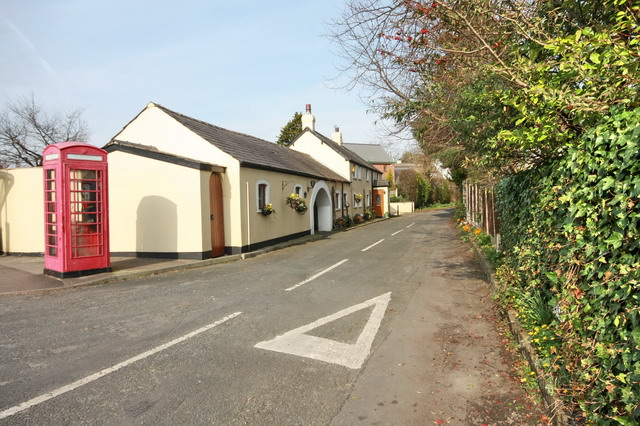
pixel 183 188
pixel 361 188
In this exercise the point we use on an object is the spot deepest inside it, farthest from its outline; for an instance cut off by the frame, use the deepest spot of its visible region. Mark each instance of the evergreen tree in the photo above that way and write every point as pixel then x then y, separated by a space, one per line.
pixel 291 130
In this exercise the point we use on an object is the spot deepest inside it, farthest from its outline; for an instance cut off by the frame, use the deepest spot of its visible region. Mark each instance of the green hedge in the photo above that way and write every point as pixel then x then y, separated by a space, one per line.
pixel 571 235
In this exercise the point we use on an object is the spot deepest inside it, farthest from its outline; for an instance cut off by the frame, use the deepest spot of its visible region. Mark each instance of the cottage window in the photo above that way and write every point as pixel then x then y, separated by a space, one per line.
pixel 368 198
pixel 356 202
pixel 338 201
pixel 345 199
pixel 297 189
pixel 368 174
pixel 263 194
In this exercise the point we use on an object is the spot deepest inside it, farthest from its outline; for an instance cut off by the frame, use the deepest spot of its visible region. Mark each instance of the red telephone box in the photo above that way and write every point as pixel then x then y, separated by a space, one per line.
pixel 76 210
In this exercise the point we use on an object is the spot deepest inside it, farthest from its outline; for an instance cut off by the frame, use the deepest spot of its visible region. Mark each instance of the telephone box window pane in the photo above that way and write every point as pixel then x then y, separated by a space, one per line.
pixel 53 251
pixel 51 174
pixel 51 229
pixel 86 212
pixel 51 218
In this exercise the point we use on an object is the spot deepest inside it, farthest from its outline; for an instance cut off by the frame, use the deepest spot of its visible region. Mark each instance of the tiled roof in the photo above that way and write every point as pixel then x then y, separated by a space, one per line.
pixel 340 149
pixel 255 152
pixel 374 154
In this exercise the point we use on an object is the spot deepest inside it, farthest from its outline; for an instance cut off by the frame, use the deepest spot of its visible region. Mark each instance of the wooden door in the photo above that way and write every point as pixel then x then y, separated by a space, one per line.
pixel 378 202
pixel 216 215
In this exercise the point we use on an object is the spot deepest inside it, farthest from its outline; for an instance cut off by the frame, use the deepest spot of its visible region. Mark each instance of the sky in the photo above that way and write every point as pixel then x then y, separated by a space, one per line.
pixel 244 65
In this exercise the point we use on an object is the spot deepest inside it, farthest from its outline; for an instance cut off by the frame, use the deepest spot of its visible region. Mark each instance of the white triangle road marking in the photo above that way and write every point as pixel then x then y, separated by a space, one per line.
pixel 296 342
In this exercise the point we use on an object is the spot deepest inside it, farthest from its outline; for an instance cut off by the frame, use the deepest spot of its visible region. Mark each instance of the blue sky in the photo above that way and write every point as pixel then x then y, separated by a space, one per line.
pixel 242 65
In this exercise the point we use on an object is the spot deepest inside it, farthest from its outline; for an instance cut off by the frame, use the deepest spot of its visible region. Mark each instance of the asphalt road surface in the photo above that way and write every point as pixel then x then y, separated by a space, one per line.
pixel 389 323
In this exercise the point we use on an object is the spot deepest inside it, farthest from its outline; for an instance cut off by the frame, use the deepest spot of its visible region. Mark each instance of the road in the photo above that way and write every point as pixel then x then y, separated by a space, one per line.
pixel 387 323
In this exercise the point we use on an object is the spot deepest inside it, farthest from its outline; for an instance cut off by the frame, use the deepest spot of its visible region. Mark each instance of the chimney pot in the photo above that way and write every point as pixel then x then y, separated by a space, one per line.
pixel 308 109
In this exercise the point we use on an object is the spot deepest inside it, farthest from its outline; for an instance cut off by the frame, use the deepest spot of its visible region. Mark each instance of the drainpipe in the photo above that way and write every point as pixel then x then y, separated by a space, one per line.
pixel 342 202
pixel 248 221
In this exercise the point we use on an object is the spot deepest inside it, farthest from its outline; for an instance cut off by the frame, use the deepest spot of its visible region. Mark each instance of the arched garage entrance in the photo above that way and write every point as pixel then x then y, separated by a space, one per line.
pixel 321 219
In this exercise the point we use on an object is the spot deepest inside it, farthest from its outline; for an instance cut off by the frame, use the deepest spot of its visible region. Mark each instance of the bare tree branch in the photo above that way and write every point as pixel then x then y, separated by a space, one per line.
pixel 25 130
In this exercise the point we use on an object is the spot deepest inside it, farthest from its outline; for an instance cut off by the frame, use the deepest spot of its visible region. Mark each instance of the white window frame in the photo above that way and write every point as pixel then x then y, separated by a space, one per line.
pixel 368 175
pixel 345 199
pixel 297 189
pixel 368 198
pixel 267 194
pixel 338 200
pixel 356 203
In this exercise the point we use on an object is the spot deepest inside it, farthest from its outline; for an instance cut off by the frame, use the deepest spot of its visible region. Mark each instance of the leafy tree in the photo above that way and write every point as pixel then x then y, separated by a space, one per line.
pixel 407 184
pixel 390 178
pixel 510 83
pixel 291 130
pixel 423 192
pixel 25 130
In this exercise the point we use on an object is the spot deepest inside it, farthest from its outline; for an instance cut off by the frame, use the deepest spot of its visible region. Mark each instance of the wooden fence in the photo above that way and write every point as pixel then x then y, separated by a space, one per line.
pixel 480 205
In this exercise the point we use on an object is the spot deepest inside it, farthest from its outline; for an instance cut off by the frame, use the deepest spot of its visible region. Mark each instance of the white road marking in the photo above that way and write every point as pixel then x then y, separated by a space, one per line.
pixel 397 232
pixel 411 225
pixel 64 389
pixel 374 244
pixel 296 342
pixel 316 275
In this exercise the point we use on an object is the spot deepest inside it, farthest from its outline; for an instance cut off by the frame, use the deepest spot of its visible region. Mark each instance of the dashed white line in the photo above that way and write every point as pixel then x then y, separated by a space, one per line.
pixel 397 232
pixel 64 389
pixel 316 275
pixel 411 225
pixel 374 244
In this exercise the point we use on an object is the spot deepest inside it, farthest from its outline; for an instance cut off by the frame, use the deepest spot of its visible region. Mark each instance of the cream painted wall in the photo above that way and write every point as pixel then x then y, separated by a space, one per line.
pixel 398 209
pixel 21 211
pixel 154 127
pixel 285 221
pixel 309 144
pixel 359 186
pixel 155 206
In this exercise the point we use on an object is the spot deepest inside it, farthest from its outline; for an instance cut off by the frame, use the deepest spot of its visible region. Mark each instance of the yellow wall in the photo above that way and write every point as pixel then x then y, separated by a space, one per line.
pixel 21 210
pixel 155 206
pixel 285 221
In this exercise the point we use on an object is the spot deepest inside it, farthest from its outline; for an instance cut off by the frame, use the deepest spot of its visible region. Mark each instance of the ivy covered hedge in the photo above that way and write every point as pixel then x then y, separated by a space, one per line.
pixel 571 235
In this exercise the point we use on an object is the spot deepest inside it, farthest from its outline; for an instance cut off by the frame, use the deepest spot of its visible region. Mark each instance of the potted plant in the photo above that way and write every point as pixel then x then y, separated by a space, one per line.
pixel 267 210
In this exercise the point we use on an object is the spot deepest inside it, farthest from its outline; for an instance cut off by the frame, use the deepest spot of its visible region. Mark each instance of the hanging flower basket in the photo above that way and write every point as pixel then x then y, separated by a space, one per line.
pixel 301 207
pixel 267 210
pixel 297 203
